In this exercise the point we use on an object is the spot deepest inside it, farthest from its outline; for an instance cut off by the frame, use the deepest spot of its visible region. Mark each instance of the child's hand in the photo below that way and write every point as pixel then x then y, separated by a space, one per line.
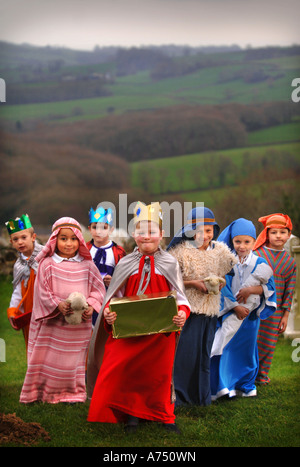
pixel 106 280
pixel 243 295
pixel 179 319
pixel 283 323
pixel 65 308
pixel 200 285
pixel 87 314
pixel 12 324
pixel 109 316
pixel 241 312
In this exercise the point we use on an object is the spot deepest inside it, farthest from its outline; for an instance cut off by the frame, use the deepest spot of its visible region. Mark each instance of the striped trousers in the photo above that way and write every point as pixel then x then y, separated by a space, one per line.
pixel 266 342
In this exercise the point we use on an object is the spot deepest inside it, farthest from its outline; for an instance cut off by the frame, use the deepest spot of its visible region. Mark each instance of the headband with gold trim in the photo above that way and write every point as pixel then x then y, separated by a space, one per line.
pixel 196 221
pixel 66 226
pixel 276 221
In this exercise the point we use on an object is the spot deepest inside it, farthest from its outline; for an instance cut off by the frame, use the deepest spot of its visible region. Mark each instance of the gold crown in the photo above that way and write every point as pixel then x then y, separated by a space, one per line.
pixel 152 212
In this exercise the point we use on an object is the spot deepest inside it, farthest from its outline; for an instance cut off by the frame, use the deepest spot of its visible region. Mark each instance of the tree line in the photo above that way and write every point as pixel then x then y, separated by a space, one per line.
pixel 137 136
pixel 56 91
pixel 55 169
pixel 211 171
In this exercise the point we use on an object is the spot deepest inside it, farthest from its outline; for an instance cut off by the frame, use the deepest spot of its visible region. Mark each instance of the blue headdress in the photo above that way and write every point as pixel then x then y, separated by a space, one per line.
pixel 101 215
pixel 197 216
pixel 240 226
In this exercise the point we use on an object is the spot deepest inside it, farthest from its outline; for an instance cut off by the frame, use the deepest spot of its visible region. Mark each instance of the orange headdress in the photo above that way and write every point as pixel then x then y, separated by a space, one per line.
pixel 275 221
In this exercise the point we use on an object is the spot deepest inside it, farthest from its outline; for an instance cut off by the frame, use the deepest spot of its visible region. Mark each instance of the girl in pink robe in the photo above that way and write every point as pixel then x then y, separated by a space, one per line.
pixel 57 350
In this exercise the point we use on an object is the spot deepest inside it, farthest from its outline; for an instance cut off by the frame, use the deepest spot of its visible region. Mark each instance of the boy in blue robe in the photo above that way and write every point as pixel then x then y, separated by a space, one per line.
pixel 234 366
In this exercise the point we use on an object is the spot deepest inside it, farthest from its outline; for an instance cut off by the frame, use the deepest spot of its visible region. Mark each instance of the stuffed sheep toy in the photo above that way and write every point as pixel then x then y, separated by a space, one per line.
pixel 212 283
pixel 78 305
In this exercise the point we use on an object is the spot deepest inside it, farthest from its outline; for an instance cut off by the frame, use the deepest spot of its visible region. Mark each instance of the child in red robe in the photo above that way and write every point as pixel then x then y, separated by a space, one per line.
pixel 135 374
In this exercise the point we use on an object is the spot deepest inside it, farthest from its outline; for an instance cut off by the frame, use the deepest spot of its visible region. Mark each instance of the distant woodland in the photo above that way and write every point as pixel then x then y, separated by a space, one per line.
pixel 50 168
pixel 64 74
pixel 50 180
pixel 71 167
pixel 172 131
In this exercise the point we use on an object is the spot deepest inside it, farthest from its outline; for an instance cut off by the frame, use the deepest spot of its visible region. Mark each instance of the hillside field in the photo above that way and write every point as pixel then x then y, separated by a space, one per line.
pixel 193 126
pixel 241 182
pixel 191 172
pixel 233 77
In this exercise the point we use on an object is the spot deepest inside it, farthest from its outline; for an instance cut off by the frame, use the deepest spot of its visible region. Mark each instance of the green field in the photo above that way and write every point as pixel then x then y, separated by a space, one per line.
pixel 65 111
pixel 200 102
pixel 216 84
pixel 213 198
pixel 271 419
pixel 276 134
pixel 192 172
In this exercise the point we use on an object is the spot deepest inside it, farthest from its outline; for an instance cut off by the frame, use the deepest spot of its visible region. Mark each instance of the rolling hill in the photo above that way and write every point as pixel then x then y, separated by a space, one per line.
pixel 170 123
pixel 126 83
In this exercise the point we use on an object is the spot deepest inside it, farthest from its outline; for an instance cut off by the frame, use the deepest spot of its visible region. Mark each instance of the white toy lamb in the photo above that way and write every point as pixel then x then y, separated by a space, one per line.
pixel 78 305
pixel 212 283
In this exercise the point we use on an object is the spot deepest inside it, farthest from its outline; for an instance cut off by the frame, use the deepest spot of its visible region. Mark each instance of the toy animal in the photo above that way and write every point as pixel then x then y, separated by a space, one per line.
pixel 212 283
pixel 78 305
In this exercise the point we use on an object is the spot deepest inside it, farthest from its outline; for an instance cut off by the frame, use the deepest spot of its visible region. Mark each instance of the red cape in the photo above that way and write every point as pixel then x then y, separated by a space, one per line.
pixel 136 373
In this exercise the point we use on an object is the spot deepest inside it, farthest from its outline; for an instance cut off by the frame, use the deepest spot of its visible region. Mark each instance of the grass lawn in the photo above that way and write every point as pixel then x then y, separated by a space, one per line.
pixel 271 419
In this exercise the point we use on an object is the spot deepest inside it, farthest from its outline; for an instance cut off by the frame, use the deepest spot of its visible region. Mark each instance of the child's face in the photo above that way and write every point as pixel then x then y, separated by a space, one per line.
pixel 67 243
pixel 243 244
pixel 148 236
pixel 23 241
pixel 204 235
pixel 100 233
pixel 277 238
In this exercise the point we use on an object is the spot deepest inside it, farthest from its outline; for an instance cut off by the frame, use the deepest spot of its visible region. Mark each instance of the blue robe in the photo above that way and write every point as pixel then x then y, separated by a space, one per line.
pixel 233 372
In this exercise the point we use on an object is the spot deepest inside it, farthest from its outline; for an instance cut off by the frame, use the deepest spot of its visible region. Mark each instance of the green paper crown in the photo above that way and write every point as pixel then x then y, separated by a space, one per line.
pixel 18 224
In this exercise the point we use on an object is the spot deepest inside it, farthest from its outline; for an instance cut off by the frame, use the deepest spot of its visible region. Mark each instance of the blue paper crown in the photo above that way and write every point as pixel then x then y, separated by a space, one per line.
pixel 101 215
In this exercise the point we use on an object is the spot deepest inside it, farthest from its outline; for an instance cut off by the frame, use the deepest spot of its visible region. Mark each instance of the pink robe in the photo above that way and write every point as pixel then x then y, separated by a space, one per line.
pixel 57 350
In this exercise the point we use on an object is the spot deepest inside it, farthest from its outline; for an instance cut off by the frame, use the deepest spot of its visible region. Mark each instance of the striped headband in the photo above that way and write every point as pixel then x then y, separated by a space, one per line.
pixel 193 221
pixel 276 221
pixel 67 226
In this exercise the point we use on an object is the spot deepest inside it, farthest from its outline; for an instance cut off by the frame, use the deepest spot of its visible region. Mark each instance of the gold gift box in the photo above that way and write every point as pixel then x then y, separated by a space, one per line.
pixel 142 315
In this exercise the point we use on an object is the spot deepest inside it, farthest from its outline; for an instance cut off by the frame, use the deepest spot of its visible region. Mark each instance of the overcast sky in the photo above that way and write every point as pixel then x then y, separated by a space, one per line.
pixel 82 24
